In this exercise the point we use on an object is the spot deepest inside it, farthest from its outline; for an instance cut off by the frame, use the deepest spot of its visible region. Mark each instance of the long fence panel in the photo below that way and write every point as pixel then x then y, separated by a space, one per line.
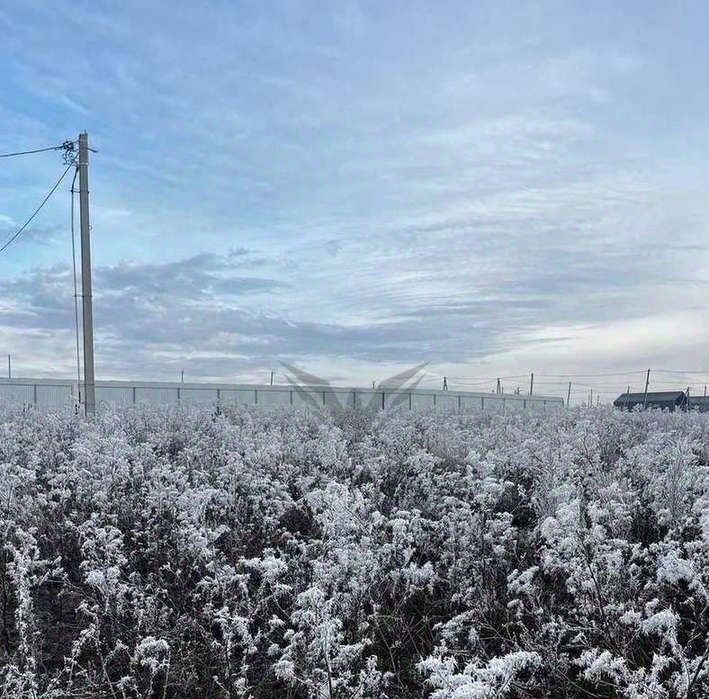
pixel 53 394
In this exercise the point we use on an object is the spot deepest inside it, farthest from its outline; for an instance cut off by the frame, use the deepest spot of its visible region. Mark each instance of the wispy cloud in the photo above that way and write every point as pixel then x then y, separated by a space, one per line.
pixel 397 184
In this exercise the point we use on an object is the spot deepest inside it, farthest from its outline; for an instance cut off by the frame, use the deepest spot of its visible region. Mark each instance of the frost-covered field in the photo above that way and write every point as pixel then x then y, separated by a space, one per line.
pixel 183 554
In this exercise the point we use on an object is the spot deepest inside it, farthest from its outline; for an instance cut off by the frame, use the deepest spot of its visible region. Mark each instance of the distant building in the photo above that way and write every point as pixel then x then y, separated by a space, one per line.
pixel 665 400
pixel 699 403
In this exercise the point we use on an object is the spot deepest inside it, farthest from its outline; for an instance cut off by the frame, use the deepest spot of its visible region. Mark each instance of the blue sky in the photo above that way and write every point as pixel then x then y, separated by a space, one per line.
pixel 353 187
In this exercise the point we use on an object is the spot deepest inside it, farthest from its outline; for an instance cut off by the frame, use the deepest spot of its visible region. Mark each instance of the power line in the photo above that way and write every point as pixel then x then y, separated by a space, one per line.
pixel 16 235
pixel 31 152
pixel 76 290
pixel 587 376
pixel 480 379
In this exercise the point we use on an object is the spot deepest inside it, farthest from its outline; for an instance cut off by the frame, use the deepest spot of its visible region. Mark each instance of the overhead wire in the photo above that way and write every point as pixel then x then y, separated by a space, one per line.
pixel 76 288
pixel 31 152
pixel 680 374
pixel 586 376
pixel 22 228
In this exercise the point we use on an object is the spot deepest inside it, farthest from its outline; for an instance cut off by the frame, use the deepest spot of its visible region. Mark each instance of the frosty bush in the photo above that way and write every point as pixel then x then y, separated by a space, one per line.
pixel 175 553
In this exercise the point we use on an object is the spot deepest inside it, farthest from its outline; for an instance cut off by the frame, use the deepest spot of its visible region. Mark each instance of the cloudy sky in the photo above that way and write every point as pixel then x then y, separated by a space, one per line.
pixel 355 187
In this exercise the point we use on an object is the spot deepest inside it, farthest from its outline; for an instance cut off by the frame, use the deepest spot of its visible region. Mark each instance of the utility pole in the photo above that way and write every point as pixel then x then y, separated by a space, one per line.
pixel 9 368
pixel 647 384
pixel 271 378
pixel 445 383
pixel 87 302
pixel 182 376
pixel 590 402
pixel 499 389
pixel 568 396
pixel 531 384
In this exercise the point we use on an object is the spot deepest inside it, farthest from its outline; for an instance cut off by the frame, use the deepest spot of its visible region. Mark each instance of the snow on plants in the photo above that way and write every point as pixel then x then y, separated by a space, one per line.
pixel 155 553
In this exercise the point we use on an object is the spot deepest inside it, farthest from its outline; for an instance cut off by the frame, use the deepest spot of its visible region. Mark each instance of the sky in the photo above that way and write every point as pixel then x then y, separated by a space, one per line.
pixel 356 187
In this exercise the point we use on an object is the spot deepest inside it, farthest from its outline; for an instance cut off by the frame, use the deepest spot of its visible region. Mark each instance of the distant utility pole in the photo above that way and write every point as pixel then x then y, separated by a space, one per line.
pixel 9 368
pixel 499 388
pixel 568 396
pixel 531 384
pixel 590 402
pixel 445 383
pixel 271 378
pixel 647 384
pixel 182 376
pixel 87 305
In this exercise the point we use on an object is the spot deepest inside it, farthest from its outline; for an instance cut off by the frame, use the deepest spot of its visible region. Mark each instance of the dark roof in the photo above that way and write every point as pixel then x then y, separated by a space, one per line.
pixel 655 399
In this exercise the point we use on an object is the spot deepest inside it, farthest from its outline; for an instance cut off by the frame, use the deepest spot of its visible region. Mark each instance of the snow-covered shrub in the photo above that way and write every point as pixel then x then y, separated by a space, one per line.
pixel 184 553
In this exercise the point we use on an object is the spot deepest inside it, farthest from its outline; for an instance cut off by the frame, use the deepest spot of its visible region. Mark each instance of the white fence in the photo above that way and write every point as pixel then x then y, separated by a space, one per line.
pixel 53 393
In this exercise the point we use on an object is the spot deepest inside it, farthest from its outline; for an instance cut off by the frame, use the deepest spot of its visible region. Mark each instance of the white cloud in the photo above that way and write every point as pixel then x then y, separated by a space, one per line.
pixel 452 185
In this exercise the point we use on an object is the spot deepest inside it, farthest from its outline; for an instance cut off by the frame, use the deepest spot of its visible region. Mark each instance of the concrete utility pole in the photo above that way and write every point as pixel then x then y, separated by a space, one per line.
pixel 531 384
pixel 647 384
pixel 87 304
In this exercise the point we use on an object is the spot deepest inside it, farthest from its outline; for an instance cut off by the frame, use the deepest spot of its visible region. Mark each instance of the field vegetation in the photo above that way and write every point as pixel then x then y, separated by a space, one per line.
pixel 182 553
